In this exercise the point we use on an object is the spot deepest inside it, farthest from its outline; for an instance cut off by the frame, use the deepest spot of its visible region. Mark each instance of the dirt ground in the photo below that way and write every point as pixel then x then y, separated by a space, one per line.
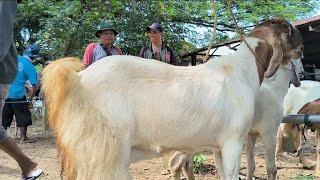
pixel 43 151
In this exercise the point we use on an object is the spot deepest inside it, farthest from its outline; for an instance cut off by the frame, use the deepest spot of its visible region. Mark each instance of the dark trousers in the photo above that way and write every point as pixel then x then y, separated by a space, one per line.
pixel 18 108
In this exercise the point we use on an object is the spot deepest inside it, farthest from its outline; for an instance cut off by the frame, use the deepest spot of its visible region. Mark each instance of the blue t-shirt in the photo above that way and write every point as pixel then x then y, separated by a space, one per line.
pixel 26 71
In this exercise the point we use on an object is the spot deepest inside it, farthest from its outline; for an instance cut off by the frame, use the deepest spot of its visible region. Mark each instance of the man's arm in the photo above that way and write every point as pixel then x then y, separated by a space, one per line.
pixel 88 54
pixel 7 12
pixel 33 79
pixel 33 92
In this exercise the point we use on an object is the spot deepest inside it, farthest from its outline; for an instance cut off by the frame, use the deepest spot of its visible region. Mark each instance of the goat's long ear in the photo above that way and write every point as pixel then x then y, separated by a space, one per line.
pixel 294 77
pixel 276 58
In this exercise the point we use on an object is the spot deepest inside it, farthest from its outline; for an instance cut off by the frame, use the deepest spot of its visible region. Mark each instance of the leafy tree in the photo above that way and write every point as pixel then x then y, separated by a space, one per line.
pixel 65 27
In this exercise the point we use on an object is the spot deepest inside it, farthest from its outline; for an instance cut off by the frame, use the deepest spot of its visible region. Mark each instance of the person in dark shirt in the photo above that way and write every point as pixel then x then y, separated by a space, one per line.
pixel 157 49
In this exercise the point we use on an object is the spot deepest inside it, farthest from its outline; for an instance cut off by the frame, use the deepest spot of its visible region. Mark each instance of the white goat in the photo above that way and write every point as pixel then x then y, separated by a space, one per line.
pixel 267 117
pixel 302 100
pixel 124 108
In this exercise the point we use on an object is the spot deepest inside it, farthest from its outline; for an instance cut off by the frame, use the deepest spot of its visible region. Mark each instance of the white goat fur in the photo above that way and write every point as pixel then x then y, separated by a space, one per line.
pixel 267 117
pixel 123 108
pixel 297 97
pixel 137 104
pixel 294 101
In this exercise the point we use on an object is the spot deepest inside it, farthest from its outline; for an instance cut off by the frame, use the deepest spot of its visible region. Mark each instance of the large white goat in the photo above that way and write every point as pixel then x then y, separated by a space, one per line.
pixel 124 108
pixel 267 117
pixel 302 100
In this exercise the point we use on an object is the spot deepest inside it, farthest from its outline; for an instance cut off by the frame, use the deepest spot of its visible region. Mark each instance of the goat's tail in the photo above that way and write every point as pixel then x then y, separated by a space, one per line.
pixel 56 83
pixel 57 79
pixel 89 146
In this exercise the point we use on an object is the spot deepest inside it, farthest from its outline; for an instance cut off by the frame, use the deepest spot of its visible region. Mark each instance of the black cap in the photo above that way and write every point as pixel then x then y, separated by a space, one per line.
pixel 32 51
pixel 156 26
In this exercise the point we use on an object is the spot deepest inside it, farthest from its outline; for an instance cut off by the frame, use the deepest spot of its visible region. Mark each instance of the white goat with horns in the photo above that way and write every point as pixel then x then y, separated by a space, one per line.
pixel 123 108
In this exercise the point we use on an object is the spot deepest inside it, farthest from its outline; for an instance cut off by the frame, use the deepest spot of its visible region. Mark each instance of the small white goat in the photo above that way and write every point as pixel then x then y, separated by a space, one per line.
pixel 267 117
pixel 302 100
pixel 123 108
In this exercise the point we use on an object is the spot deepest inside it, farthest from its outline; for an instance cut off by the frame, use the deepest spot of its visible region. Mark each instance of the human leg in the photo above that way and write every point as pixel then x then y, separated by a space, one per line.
pixel 7 115
pixel 8 145
pixel 23 117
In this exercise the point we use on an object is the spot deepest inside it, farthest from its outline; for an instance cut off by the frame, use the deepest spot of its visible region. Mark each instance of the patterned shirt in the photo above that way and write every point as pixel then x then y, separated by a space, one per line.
pixel 164 55
pixel 95 52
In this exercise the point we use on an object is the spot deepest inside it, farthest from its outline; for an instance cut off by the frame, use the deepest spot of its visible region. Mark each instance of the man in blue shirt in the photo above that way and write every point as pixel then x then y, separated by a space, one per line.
pixel 16 103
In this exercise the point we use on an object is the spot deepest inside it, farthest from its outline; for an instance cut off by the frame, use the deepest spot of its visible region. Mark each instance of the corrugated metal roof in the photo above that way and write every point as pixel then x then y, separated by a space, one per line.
pixel 306 21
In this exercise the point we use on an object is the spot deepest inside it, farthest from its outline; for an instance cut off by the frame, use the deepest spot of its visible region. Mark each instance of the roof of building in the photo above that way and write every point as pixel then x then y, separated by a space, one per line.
pixel 306 21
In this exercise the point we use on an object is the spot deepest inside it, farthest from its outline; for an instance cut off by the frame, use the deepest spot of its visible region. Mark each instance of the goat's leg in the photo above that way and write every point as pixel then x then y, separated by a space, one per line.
pixel 140 154
pixel 231 158
pixel 188 168
pixel 176 163
pixel 279 142
pixel 318 152
pixel 269 141
pixel 299 144
pixel 251 140
pixel 218 162
pixel 122 170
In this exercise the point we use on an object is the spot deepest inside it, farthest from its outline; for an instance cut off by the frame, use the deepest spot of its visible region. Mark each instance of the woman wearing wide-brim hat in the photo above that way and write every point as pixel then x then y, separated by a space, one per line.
pixel 96 51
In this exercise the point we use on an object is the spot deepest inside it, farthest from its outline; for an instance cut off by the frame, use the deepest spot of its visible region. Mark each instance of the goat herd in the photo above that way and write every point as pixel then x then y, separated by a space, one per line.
pixel 124 109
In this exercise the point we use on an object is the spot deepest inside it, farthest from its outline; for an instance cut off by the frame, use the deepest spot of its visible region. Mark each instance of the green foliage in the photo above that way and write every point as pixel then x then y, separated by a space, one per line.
pixel 198 163
pixel 305 177
pixel 65 27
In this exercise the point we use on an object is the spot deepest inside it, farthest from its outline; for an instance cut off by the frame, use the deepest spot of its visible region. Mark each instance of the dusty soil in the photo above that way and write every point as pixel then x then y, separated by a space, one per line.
pixel 43 151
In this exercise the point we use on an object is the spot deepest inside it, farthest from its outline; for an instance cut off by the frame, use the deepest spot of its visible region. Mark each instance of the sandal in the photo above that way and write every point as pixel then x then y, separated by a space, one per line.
pixel 33 175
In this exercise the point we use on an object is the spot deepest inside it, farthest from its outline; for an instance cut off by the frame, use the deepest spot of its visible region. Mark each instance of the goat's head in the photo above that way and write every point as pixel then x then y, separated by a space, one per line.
pixel 284 39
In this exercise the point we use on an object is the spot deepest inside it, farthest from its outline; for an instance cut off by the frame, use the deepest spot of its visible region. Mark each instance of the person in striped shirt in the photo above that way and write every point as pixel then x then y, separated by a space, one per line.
pixel 96 51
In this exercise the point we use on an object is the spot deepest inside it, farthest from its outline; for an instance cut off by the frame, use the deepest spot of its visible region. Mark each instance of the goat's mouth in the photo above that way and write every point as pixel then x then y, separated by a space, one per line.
pixel 298 54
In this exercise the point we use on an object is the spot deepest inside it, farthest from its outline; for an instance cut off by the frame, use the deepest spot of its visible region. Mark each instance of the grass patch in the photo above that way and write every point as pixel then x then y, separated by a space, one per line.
pixel 305 177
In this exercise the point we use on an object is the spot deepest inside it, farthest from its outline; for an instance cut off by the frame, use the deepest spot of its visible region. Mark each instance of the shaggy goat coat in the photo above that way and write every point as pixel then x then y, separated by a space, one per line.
pixel 124 108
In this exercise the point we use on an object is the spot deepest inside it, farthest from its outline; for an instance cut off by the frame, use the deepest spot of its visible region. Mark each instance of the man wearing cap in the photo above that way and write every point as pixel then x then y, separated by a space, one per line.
pixel 95 51
pixel 157 49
